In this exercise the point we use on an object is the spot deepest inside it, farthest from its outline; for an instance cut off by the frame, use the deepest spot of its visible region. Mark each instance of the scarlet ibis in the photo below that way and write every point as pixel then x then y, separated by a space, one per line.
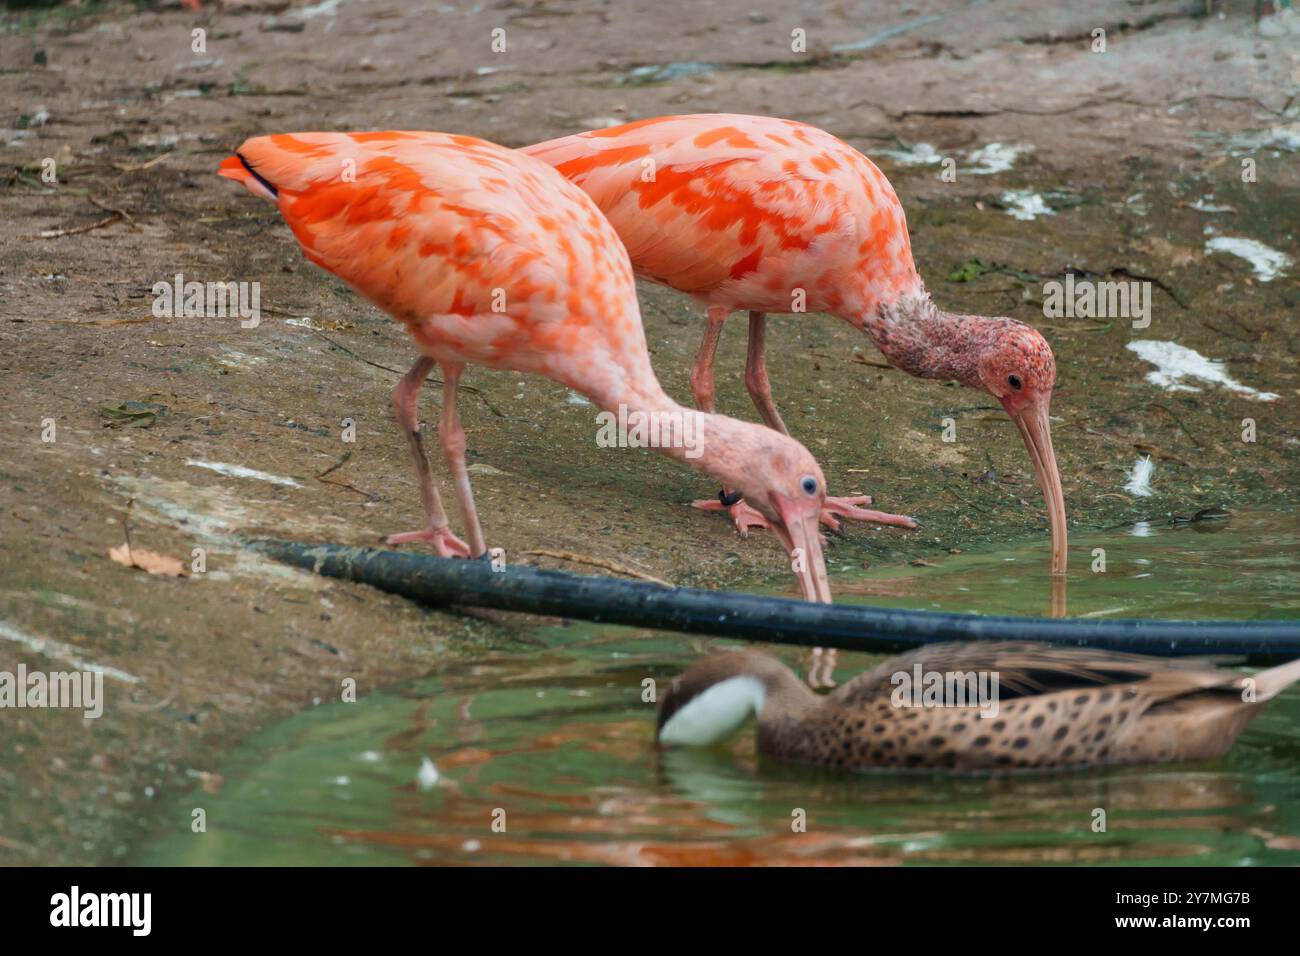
pixel 773 215
pixel 489 256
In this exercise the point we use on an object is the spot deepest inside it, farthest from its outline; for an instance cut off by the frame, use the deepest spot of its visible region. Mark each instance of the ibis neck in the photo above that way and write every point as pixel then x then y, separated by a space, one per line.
pixel 915 336
pixel 637 413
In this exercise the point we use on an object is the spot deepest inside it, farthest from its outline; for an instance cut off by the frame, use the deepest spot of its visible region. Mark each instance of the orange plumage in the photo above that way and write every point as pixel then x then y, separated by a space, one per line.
pixel 742 211
pixel 490 257
pixel 773 215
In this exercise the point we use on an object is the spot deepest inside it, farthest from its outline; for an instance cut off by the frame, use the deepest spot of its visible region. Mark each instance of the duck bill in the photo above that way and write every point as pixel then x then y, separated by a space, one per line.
pixel 1036 429
pixel 799 530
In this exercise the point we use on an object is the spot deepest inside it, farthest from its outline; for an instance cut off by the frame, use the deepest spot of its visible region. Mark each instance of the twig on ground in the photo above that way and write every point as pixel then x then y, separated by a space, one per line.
pixel 388 368
pixel 599 563
pixel 59 233
pixel 347 456
pixel 1177 421
pixel 130 220
pixel 368 495
pixel 115 215
pixel 140 167
pixel 860 359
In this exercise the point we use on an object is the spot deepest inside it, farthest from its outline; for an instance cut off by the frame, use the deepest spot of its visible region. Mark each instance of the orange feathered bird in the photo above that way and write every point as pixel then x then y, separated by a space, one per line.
pixel 490 257
pixel 773 215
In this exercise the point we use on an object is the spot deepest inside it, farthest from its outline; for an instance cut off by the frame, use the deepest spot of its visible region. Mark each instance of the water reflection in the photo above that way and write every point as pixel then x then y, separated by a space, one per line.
pixel 546 756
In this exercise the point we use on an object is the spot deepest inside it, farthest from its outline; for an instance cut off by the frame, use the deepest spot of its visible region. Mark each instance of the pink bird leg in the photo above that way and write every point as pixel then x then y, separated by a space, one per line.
pixel 760 390
pixel 743 516
pixel 436 530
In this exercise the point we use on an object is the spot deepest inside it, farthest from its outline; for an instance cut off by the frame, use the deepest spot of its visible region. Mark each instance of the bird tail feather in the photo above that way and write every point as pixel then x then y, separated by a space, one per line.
pixel 294 162
pixel 237 168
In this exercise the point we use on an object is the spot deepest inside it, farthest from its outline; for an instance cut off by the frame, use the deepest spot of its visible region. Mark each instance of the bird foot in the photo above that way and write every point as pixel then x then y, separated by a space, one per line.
pixel 836 508
pixel 742 515
pixel 821 670
pixel 443 541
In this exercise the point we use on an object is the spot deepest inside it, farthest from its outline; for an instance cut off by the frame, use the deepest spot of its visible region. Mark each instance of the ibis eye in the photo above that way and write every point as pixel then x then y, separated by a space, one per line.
pixel 1014 382
pixel 809 485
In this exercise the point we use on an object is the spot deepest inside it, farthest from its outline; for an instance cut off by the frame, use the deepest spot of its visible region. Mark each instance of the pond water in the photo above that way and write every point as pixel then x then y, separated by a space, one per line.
pixel 546 755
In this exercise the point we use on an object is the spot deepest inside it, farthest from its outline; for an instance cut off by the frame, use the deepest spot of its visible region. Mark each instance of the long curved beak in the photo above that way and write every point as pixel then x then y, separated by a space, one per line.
pixel 1036 429
pixel 799 530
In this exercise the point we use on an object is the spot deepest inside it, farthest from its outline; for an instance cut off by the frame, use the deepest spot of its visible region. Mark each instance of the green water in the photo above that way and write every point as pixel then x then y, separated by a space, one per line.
pixel 545 755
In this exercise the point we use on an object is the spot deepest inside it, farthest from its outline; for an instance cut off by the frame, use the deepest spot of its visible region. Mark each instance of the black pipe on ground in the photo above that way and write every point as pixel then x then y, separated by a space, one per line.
pixel 851 627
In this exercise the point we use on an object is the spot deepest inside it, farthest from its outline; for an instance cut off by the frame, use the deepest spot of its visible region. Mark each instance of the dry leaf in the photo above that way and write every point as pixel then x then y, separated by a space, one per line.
pixel 210 782
pixel 1180 257
pixel 478 468
pixel 135 414
pixel 148 561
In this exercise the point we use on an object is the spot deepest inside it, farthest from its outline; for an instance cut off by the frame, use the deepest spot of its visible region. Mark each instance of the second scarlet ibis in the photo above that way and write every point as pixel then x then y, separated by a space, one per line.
pixel 774 215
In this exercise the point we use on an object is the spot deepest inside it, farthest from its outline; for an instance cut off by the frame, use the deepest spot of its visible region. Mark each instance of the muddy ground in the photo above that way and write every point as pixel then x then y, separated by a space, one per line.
pixel 1126 144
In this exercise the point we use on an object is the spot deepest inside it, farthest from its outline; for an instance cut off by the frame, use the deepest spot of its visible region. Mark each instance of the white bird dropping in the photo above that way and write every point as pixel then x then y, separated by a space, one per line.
pixel 427 777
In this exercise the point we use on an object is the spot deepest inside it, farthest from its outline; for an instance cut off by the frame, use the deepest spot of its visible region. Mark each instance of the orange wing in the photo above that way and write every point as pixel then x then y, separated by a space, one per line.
pixel 742 210
pixel 485 254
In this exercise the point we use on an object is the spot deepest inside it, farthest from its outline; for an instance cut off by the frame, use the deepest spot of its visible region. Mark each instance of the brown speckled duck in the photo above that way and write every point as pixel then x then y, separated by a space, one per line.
pixel 1038 707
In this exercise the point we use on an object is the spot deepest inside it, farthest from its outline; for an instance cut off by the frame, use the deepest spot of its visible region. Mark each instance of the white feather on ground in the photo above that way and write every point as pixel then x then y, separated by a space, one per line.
pixel 427 778
pixel 1139 482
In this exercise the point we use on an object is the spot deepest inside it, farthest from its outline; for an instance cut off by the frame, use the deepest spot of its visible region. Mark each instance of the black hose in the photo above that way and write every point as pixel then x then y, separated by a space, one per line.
pixel 851 627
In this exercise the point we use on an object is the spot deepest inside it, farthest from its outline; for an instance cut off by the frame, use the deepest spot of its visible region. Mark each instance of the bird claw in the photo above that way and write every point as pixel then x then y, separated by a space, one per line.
pixel 444 542
pixel 742 515
pixel 847 507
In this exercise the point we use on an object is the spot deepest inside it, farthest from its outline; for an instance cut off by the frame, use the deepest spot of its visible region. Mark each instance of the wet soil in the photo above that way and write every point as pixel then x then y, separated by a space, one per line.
pixel 1126 144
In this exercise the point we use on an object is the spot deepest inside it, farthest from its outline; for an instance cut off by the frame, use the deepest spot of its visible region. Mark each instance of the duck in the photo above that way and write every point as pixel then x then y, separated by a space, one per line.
pixel 976 707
